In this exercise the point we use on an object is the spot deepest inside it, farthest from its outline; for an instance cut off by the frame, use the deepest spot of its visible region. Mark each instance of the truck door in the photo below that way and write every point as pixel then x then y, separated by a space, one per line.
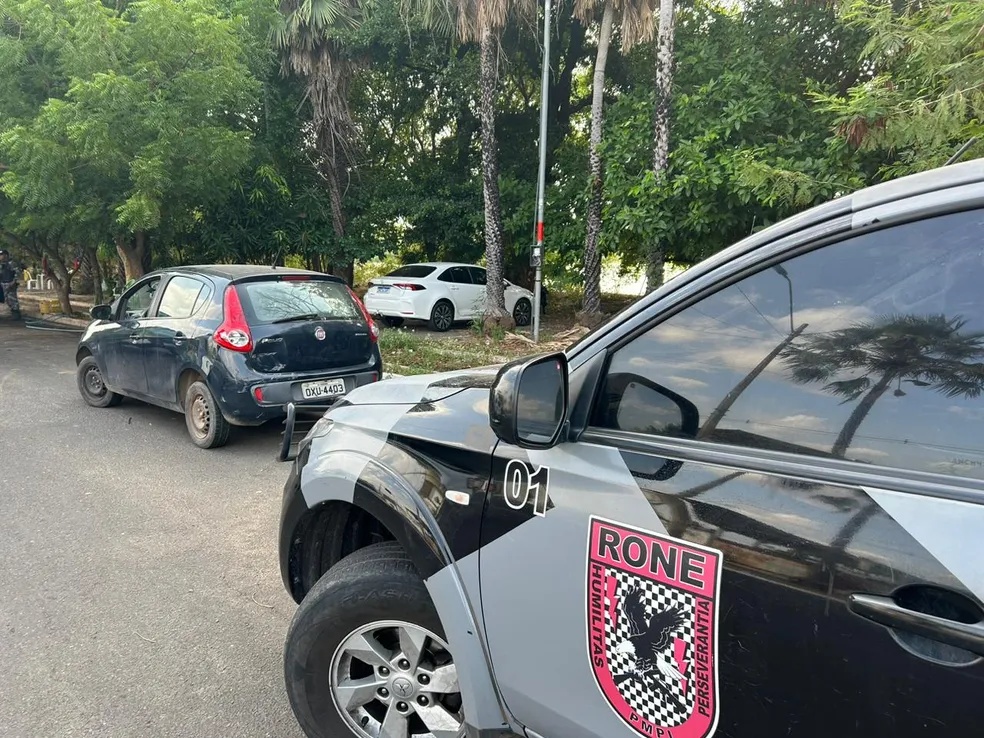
pixel 768 527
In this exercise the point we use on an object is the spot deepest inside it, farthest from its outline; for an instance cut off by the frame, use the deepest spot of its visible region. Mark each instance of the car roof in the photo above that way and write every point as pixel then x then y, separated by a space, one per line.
pixel 439 264
pixel 243 271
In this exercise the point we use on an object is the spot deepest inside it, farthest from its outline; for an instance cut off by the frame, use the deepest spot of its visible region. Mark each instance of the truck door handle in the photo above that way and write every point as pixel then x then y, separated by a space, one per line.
pixel 885 611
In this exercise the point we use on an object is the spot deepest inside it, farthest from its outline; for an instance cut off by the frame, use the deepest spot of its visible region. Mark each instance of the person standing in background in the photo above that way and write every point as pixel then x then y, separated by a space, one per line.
pixel 9 275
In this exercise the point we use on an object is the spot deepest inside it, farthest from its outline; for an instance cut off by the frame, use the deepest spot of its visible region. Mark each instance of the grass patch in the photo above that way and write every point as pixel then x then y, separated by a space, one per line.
pixel 423 352
pixel 410 352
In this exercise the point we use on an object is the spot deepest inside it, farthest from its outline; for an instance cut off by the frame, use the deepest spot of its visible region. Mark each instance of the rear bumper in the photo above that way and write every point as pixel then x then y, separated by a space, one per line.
pixel 234 385
pixel 392 307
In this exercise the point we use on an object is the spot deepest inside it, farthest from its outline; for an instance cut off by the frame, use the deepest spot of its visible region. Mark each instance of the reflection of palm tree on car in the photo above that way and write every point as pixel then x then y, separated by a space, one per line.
pixel 926 351
pixel 930 351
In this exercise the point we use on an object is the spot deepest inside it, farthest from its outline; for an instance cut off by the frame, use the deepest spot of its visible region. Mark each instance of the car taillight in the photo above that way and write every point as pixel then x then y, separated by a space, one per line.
pixel 411 287
pixel 373 328
pixel 234 333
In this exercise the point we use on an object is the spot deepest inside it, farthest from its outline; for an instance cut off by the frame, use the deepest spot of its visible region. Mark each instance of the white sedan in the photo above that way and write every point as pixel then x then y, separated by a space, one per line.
pixel 440 293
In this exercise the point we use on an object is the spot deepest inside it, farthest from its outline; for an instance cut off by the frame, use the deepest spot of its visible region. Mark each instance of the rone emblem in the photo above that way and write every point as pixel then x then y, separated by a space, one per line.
pixel 652 629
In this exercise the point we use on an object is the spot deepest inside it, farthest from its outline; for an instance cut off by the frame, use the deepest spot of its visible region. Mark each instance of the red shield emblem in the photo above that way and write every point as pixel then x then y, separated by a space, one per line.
pixel 652 629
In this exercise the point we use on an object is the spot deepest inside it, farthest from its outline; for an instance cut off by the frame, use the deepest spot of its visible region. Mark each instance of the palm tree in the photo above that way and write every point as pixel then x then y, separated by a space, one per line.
pixel 636 25
pixel 482 21
pixel 307 39
pixel 661 123
pixel 930 351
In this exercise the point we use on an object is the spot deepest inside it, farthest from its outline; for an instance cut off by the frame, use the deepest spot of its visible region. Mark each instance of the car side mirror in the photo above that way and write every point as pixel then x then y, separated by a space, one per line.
pixel 529 401
pixel 101 312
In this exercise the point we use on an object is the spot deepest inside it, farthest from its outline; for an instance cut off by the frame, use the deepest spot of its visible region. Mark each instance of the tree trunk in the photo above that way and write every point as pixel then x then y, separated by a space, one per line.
pixel 495 304
pixel 661 125
pixel 591 306
pixel 61 279
pixel 95 270
pixel 132 255
pixel 857 417
pixel 346 271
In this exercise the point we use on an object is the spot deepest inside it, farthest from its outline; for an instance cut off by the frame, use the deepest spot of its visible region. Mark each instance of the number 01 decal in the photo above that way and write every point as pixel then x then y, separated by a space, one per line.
pixel 520 484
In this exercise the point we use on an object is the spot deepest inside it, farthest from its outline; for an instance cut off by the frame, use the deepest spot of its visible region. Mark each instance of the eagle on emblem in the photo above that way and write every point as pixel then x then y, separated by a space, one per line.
pixel 648 638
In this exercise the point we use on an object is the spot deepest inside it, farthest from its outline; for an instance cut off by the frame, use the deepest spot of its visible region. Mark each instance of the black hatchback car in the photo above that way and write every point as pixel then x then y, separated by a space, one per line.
pixel 228 345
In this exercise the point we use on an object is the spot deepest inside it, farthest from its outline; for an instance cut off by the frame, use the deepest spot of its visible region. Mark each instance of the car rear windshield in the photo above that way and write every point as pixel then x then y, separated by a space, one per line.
pixel 414 271
pixel 282 301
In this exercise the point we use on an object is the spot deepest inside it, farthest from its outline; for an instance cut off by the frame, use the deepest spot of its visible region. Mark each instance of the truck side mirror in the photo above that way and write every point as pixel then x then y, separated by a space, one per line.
pixel 529 401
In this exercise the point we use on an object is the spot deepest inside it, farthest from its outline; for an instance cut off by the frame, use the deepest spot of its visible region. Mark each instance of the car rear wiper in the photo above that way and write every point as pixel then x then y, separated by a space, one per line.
pixel 306 316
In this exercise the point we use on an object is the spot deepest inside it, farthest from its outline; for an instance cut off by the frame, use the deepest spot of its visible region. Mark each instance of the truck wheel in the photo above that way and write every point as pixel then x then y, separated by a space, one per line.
pixel 92 387
pixel 366 654
pixel 206 425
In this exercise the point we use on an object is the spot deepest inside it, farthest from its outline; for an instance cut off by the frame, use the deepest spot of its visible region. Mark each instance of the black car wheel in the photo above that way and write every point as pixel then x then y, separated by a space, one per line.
pixel 392 321
pixel 523 312
pixel 92 387
pixel 206 425
pixel 442 316
pixel 366 654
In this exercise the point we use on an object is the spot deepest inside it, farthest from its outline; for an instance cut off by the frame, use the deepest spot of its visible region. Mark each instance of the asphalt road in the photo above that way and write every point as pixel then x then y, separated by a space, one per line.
pixel 139 588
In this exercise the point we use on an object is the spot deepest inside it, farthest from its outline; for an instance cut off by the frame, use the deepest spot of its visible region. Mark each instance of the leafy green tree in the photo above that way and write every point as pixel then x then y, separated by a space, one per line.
pixel 741 112
pixel 925 95
pixel 142 123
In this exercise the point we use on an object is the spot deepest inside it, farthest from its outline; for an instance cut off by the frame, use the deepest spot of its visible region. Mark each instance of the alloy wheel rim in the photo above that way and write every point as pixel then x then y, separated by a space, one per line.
pixel 94 383
pixel 523 312
pixel 392 679
pixel 443 317
pixel 200 416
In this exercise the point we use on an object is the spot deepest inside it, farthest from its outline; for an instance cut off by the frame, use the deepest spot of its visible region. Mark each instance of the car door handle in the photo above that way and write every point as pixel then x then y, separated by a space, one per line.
pixel 885 611
pixel 180 338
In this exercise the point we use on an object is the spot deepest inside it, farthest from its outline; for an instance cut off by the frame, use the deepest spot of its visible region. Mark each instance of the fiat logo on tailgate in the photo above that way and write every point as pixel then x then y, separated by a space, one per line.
pixel 319 333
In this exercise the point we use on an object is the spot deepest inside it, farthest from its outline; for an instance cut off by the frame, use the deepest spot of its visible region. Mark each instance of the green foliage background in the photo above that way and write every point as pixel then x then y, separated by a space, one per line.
pixel 172 120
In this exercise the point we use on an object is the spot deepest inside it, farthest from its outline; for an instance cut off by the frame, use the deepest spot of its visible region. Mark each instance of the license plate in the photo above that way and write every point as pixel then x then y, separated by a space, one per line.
pixel 382 290
pixel 326 388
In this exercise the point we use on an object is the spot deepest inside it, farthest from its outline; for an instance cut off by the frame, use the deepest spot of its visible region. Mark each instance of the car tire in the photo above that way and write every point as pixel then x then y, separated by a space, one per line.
pixel 393 321
pixel 523 312
pixel 206 424
pixel 374 592
pixel 92 387
pixel 442 316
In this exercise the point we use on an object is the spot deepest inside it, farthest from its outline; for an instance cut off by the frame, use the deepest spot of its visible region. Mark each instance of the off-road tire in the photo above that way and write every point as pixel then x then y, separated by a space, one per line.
pixel 375 583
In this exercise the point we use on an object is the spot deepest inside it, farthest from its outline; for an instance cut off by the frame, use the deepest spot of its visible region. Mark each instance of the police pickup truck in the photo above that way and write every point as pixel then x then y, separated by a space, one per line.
pixel 752 504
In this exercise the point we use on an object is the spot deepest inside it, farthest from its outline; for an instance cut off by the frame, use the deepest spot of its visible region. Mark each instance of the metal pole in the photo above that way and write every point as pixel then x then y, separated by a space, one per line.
pixel 542 175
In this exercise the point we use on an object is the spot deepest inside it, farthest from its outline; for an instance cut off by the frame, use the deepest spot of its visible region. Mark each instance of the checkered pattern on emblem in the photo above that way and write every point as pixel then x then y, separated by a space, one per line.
pixel 648 699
